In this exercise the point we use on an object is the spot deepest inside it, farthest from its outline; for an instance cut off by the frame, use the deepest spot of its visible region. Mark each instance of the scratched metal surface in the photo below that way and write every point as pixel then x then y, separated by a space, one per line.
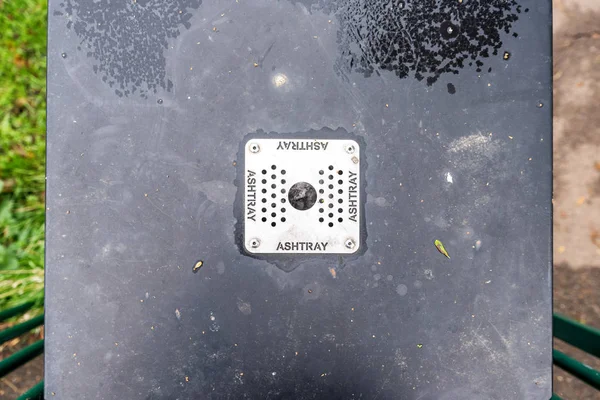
pixel 147 105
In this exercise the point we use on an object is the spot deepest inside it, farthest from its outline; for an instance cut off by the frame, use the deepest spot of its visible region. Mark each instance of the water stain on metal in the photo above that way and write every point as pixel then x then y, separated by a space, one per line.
pixel 423 39
pixel 402 289
pixel 244 307
pixel 128 39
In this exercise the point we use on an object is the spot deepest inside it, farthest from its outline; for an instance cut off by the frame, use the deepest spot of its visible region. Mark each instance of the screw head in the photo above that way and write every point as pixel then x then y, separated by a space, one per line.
pixel 350 149
pixel 254 148
pixel 254 243
pixel 349 243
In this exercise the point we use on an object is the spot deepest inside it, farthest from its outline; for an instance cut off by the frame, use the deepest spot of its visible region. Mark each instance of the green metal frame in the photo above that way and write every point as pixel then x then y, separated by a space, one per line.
pixel 35 393
pixel 22 356
pixel 584 338
pixel 577 369
pixel 579 335
pixel 20 329
pixel 13 312
pixel 26 354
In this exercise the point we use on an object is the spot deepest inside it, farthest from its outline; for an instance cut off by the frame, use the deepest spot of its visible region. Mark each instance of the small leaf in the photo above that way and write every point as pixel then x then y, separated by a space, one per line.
pixel 441 248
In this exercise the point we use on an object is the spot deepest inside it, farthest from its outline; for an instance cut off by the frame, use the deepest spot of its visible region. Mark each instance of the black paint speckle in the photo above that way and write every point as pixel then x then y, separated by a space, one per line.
pixel 128 39
pixel 423 39
pixel 451 88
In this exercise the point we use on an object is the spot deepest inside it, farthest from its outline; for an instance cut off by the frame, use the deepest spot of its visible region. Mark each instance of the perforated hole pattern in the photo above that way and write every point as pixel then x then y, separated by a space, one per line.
pixel 273 195
pixel 274 191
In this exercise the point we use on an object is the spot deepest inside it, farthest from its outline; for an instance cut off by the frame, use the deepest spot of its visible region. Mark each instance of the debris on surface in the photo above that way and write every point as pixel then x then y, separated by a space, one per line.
pixel 197 266
pixel 440 246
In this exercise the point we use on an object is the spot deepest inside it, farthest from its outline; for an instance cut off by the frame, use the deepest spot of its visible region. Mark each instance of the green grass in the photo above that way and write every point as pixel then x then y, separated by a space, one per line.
pixel 22 150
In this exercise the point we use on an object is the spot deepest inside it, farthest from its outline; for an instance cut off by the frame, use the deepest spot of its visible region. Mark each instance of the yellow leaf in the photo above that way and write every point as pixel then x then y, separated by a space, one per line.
pixel 441 248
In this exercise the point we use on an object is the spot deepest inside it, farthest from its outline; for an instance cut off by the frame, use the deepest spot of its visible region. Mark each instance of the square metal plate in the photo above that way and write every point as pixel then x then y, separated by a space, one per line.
pixel 302 196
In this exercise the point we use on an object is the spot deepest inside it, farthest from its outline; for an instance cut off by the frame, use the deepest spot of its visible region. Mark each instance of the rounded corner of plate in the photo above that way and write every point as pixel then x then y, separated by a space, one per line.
pixel 355 250
pixel 249 248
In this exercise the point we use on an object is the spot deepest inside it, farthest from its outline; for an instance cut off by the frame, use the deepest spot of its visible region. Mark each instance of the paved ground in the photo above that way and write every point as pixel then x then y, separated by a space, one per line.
pixel 577 133
pixel 576 176
pixel 576 187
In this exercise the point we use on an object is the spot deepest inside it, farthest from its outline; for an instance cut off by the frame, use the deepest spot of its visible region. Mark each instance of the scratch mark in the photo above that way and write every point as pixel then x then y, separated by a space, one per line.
pixel 162 212
pixel 385 382
pixel 265 54
pixel 504 341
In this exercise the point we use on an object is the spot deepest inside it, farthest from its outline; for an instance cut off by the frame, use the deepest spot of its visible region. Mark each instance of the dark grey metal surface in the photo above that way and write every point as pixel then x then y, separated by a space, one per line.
pixel 147 105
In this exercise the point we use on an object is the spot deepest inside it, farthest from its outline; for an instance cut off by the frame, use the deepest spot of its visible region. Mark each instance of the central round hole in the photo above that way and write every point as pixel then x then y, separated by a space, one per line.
pixel 302 196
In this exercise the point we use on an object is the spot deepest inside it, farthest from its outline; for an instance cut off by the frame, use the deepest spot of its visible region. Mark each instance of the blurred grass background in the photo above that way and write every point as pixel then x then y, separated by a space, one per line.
pixel 22 151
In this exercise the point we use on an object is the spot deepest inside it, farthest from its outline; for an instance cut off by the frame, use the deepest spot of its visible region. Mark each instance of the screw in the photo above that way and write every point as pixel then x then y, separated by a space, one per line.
pixel 349 243
pixel 254 243
pixel 350 149
pixel 254 148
